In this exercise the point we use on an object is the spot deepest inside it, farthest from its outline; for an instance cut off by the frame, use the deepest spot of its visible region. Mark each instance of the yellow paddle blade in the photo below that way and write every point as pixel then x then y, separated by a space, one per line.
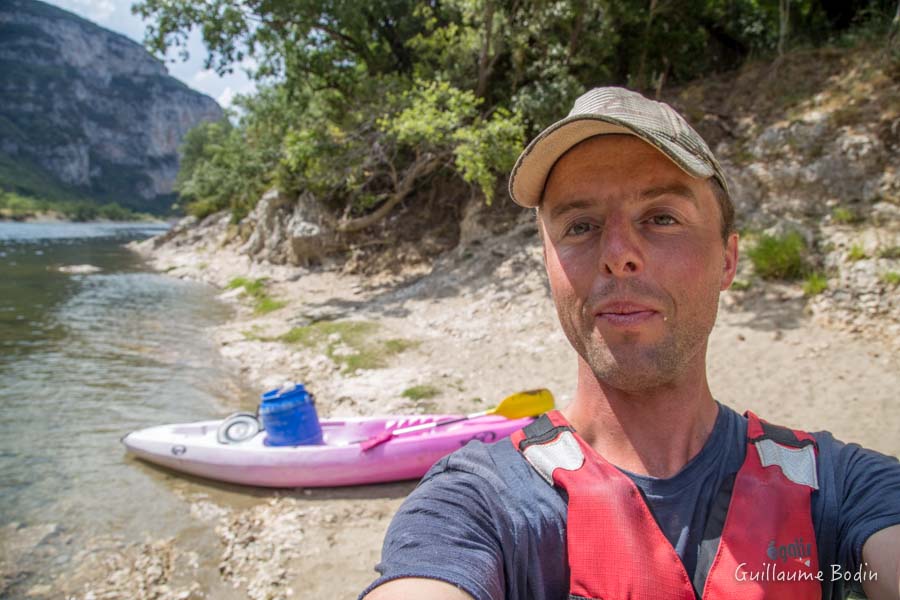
pixel 524 404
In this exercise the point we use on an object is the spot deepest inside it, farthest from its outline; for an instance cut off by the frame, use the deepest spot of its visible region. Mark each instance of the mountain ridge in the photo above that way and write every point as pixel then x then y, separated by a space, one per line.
pixel 89 111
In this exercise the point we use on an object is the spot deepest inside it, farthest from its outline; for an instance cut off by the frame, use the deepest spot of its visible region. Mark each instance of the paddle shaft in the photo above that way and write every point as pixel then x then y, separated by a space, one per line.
pixel 523 404
pixel 412 428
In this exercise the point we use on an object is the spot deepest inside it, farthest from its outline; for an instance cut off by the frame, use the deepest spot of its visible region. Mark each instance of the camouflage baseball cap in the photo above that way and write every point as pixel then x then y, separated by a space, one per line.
pixel 611 110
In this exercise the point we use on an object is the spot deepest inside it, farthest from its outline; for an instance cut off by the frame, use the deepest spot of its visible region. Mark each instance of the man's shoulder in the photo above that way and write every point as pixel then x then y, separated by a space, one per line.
pixel 497 464
pixel 500 476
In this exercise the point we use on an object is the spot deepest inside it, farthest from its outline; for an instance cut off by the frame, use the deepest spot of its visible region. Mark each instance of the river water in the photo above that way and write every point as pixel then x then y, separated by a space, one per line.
pixel 84 359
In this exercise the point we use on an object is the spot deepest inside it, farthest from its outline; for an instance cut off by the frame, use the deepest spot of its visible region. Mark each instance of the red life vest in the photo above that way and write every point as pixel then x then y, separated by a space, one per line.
pixel 758 541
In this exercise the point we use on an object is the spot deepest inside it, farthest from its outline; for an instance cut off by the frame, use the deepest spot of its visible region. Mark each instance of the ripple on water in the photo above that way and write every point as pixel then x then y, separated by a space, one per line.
pixel 97 356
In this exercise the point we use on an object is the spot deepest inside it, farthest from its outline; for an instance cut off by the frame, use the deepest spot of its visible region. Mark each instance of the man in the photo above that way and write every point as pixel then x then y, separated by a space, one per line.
pixel 644 486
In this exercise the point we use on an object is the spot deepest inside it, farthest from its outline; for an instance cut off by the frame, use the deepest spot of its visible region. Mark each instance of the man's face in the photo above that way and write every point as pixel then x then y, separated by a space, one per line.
pixel 636 261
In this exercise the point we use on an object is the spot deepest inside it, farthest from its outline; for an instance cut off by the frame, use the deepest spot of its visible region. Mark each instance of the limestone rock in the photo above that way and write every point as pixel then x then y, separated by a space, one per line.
pixel 284 231
pixel 92 108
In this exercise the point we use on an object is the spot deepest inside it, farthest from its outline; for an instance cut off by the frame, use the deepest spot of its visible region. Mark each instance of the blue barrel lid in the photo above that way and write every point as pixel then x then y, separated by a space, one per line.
pixel 286 390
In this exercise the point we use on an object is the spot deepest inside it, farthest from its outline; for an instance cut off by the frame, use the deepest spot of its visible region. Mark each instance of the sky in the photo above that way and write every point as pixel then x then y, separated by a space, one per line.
pixel 116 16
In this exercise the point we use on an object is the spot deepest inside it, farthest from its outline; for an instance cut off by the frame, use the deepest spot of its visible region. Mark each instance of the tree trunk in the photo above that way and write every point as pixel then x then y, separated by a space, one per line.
pixel 662 77
pixel 485 63
pixel 642 61
pixel 895 27
pixel 423 166
pixel 577 27
pixel 784 22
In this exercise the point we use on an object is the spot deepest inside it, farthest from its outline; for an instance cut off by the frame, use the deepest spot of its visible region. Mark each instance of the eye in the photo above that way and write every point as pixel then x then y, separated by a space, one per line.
pixel 663 219
pixel 579 228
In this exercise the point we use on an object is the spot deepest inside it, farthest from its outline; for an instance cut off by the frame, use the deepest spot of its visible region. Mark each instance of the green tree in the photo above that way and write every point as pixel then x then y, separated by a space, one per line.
pixel 365 101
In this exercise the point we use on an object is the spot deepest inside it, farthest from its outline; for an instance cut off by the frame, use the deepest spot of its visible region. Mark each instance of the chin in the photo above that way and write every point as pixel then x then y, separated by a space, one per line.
pixel 632 381
pixel 633 371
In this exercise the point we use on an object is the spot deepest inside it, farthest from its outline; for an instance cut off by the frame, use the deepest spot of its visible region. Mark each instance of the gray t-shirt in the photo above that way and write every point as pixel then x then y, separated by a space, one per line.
pixel 484 520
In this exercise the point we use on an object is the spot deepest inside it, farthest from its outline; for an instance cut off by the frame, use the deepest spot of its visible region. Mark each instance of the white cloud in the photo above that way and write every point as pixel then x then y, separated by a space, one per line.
pixel 226 97
pixel 203 75
pixel 116 15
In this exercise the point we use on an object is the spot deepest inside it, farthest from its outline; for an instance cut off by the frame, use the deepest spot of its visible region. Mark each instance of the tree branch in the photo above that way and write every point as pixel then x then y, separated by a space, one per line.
pixel 423 166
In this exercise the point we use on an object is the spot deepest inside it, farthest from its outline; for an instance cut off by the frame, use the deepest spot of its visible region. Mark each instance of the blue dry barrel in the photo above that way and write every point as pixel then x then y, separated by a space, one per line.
pixel 289 417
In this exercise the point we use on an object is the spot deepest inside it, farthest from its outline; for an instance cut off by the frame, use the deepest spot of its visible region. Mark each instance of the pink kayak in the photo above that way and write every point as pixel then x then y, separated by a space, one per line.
pixel 193 448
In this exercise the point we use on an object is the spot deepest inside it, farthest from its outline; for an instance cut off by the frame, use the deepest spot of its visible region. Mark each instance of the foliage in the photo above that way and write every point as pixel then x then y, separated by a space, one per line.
pixel 18 206
pixel 362 103
pixel 436 117
pixel 779 257
pixel 891 278
pixel 23 177
pixel 815 284
pixel 889 252
pixel 222 166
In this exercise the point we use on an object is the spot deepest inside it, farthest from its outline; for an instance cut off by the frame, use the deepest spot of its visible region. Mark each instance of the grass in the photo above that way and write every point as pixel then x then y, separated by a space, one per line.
pixel 815 284
pixel 348 343
pixel 396 346
pixel 856 253
pixel 421 392
pixel 779 257
pixel 845 216
pixel 256 289
pixel 891 278
pixel 352 333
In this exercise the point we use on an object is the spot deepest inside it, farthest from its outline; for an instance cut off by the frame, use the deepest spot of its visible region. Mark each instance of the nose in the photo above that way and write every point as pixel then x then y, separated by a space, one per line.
pixel 620 251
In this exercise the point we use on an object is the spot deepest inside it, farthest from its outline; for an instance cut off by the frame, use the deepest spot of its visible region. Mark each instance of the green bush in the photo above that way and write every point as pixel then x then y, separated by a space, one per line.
pixel 15 205
pixel 780 257
pixel 435 116
pixel 891 278
pixel 222 167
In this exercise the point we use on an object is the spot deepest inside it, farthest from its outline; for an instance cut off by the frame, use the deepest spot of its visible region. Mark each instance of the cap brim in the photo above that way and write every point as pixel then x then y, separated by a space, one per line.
pixel 529 175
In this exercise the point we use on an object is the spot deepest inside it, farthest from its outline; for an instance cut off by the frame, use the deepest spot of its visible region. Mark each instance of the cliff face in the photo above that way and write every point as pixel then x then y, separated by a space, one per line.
pixel 90 108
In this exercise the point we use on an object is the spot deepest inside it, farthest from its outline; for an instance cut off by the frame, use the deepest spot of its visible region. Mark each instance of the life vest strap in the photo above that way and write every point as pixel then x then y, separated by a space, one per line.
pixel 794 452
pixel 541 431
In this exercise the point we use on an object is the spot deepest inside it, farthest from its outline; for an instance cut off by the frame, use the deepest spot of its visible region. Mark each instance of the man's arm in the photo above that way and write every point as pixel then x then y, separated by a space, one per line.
pixel 411 588
pixel 881 555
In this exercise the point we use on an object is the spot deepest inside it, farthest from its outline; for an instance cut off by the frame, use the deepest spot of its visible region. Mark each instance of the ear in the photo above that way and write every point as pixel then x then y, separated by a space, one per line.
pixel 729 268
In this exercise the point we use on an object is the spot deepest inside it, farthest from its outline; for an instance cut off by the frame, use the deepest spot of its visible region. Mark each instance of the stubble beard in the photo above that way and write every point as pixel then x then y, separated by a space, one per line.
pixel 633 365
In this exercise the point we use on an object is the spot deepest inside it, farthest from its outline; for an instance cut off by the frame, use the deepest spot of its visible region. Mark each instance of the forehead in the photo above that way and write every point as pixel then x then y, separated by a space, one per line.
pixel 615 161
